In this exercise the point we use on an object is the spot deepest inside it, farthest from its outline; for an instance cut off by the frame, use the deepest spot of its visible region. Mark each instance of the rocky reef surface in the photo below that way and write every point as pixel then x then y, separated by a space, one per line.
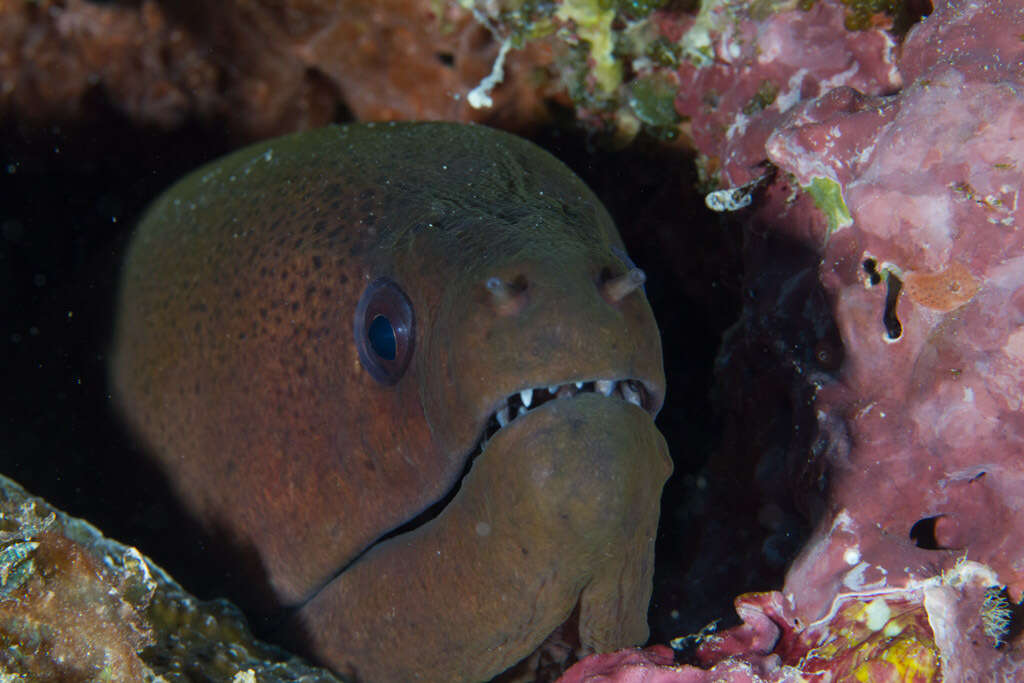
pixel 255 69
pixel 76 606
pixel 904 176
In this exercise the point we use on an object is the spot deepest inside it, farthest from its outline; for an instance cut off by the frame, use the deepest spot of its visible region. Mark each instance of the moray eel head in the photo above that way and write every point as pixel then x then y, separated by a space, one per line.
pixel 410 370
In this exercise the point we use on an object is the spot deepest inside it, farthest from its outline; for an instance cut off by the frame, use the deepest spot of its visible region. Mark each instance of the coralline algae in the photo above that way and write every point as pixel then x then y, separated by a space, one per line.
pixel 907 183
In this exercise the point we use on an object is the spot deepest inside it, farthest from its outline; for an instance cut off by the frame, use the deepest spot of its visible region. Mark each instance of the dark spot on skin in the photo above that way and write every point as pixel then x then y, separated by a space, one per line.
pixel 319 226
pixel 310 291
pixel 295 306
pixel 317 262
pixel 263 313
pixel 264 272
pixel 242 335
pixel 298 243
pixel 284 274
pixel 237 294
pixel 446 58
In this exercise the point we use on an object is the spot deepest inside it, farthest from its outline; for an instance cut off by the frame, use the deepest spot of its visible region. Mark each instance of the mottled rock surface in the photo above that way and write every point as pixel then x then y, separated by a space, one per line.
pixel 255 69
pixel 76 606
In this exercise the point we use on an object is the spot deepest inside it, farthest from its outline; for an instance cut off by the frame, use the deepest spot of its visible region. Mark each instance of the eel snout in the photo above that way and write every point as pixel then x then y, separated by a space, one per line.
pixel 558 513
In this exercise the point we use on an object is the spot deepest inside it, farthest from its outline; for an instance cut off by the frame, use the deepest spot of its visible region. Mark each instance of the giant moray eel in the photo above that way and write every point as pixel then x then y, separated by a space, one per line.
pixel 357 353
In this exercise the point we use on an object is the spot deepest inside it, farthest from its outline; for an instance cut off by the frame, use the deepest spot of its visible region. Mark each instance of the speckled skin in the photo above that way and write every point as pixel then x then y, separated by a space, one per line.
pixel 236 362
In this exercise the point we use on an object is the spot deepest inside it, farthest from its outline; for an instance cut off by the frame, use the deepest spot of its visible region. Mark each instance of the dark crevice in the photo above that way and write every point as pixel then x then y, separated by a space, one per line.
pixel 923 533
pixel 871 268
pixel 893 327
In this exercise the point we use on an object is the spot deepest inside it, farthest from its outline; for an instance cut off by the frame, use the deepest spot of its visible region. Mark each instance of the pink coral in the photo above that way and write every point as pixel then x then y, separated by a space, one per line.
pixel 759 69
pixel 913 202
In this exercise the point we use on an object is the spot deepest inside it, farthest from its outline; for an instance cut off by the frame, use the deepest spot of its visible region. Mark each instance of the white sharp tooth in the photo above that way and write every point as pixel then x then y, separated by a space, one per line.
pixel 605 386
pixel 527 396
pixel 579 385
pixel 553 389
pixel 503 416
pixel 629 393
pixel 522 411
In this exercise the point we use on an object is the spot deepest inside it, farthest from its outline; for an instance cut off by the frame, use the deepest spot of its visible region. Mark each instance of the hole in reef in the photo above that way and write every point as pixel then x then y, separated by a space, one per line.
pixel 871 268
pixel 893 327
pixel 923 533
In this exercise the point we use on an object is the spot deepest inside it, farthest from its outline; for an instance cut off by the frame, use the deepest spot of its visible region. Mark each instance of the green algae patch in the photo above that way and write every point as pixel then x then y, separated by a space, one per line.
pixel 828 197
pixel 653 99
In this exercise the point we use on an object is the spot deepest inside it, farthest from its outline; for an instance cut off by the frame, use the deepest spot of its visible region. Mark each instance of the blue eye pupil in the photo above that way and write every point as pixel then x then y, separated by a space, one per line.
pixel 382 338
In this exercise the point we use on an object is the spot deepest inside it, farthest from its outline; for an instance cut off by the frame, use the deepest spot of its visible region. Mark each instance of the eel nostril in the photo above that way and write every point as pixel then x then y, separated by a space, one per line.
pixel 617 288
pixel 508 297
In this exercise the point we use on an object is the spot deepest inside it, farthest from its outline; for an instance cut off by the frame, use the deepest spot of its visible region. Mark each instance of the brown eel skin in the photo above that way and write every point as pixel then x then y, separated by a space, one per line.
pixel 323 336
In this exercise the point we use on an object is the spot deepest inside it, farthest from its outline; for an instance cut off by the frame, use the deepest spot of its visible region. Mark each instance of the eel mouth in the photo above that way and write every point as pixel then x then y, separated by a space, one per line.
pixel 522 402
pixel 508 412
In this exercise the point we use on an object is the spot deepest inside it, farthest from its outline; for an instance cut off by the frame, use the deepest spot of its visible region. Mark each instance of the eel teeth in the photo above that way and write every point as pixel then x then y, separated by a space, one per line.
pixel 630 393
pixel 525 400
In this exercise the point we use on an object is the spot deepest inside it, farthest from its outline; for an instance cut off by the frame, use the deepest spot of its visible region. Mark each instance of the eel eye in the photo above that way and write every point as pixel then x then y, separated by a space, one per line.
pixel 385 330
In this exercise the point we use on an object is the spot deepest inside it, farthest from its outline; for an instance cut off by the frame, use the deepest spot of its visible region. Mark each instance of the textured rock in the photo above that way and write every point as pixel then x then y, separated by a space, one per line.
pixel 75 606
pixel 911 202
pixel 930 393
pixel 255 68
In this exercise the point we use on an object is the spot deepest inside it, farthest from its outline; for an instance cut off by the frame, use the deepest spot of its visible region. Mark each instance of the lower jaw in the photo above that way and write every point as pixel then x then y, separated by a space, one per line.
pixel 560 650
pixel 557 517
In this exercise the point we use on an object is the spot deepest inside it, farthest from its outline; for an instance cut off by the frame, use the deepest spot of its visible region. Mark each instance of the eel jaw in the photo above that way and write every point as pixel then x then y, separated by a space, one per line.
pixel 522 402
